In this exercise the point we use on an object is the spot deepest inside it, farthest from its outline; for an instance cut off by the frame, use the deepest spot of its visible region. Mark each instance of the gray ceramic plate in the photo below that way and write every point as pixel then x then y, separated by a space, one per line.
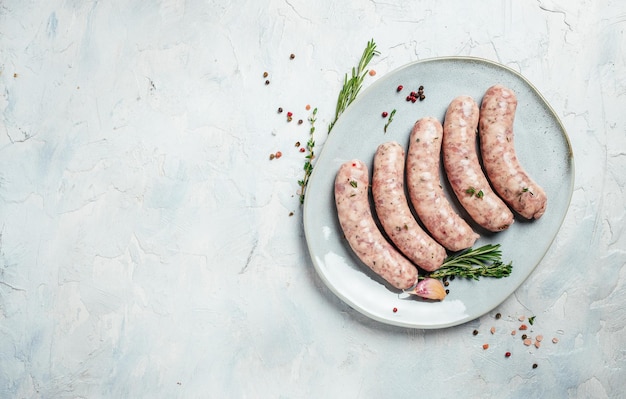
pixel 542 146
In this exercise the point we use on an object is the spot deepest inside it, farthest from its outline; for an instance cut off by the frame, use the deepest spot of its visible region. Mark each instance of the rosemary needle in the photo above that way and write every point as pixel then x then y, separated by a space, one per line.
pixel 352 86
pixel 485 261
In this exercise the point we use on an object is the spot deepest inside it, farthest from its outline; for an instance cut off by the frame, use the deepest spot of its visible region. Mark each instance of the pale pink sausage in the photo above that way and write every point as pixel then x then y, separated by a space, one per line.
pixel 460 160
pixel 425 191
pixel 359 228
pixel 503 168
pixel 394 214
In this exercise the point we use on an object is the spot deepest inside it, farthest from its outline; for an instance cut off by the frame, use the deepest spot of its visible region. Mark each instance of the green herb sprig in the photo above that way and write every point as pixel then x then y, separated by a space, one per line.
pixel 389 120
pixel 352 87
pixel 485 261
pixel 308 163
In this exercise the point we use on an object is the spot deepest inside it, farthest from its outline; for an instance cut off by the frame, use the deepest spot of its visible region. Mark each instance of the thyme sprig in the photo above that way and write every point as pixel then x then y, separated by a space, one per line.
pixel 352 87
pixel 308 163
pixel 485 261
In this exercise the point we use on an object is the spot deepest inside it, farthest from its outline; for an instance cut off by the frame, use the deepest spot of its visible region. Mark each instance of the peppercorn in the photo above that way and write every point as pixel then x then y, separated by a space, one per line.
pixel 475 332
pixel 395 310
pixel 267 82
pixel 292 56
pixel 299 121
pixel 447 292
pixel 384 114
pixel 535 365
pixel 280 110
pixel 524 336
pixel 446 283
pixel 498 315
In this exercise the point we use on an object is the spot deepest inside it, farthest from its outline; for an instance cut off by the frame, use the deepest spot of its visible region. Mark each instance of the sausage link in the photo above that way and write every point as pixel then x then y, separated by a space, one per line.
pixel 425 191
pixel 362 233
pixel 502 166
pixel 394 214
pixel 460 159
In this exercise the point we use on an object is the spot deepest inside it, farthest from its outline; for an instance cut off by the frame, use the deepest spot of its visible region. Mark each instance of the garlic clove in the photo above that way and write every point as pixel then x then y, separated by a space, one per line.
pixel 429 288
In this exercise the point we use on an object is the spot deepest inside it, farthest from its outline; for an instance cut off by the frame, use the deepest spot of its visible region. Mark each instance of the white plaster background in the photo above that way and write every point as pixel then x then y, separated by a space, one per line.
pixel 146 247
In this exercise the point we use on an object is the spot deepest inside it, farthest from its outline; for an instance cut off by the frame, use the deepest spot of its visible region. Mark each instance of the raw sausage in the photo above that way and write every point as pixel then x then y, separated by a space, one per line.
pixel 359 228
pixel 502 166
pixel 394 214
pixel 425 191
pixel 460 159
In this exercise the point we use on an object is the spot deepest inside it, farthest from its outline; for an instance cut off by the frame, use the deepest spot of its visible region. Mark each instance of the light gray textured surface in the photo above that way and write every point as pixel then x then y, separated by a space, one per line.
pixel 146 245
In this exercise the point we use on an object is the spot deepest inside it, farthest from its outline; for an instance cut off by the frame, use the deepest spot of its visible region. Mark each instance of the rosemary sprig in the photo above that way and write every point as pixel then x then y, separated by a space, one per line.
pixel 389 120
pixel 485 261
pixel 352 86
pixel 308 164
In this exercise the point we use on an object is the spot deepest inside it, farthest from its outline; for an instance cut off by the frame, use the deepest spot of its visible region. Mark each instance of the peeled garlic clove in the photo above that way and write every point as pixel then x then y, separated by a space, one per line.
pixel 429 288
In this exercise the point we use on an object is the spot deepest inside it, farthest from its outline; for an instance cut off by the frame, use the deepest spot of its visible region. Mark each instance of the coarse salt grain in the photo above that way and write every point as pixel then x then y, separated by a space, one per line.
pixel 539 338
pixel 528 342
pixel 493 330
pixel 555 340
pixel 537 344
pixel 513 332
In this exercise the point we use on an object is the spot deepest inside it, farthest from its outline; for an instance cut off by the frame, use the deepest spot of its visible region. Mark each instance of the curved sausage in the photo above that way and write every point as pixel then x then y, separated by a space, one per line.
pixel 394 214
pixel 364 237
pixel 502 166
pixel 425 191
pixel 460 160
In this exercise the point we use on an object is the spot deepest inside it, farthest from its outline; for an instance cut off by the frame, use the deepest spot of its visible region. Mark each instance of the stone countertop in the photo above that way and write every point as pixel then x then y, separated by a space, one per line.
pixel 150 248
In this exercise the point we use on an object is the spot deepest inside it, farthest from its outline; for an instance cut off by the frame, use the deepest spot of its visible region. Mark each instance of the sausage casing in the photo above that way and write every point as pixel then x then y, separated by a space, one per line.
pixel 425 191
pixel 502 166
pixel 460 159
pixel 362 233
pixel 394 214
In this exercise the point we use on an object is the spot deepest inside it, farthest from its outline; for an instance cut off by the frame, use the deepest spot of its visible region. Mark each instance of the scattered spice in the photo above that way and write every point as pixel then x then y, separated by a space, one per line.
pixel 446 283
pixel 308 107
pixel 372 72
pixel 265 74
pixel 290 213
pixel 539 338
pixel 535 365
pixel 300 121
pixel 399 89
pixel 508 354
pixel 524 336
pixel 555 340
pixel 297 144
pixel 272 156
pixel 475 332
pixel 302 149
pixel 531 320
pixel 528 342
pixel 280 110
pixel 447 292
pixel 523 327
pixel 537 344
pixel 513 332
pixel 521 318
pixel 384 114
pixel 395 310
pixel 485 346
pixel 278 154
pixel 498 315
pixel 493 330
pixel 267 82
pixel 353 183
